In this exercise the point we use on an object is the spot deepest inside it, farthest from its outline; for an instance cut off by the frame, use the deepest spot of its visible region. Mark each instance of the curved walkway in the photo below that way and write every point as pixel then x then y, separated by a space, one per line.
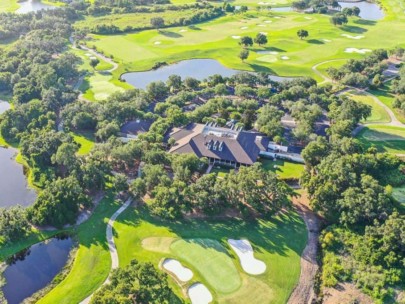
pixel 325 78
pixel 111 245
pixel 303 292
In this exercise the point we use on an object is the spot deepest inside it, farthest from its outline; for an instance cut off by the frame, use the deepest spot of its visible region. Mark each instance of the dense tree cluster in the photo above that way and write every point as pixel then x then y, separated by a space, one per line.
pixel 136 283
pixel 374 261
pixel 360 72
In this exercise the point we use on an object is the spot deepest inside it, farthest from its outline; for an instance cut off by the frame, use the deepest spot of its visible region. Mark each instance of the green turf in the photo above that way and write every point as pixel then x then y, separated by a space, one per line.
pixel 92 262
pixel 284 169
pixel 213 39
pixel 278 242
pixel 9 5
pixel 384 94
pixel 221 172
pixel 211 260
pixel 384 138
pixel 85 141
pixel 378 113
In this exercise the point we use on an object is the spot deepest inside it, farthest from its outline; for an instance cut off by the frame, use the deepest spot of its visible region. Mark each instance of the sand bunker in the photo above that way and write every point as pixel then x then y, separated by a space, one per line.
pixel 285 57
pixel 236 37
pixel 356 50
pixel 353 37
pixel 244 251
pixel 277 17
pixel 157 42
pixel 182 273
pixel 199 294
pixel 263 3
pixel 308 18
pixel 244 27
pixel 182 31
pixel 268 21
pixel 261 25
pixel 326 40
pixel 88 54
pixel 263 33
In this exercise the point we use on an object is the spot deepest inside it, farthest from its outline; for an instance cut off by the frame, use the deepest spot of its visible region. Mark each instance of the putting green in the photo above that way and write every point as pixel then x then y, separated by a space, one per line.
pixel 211 260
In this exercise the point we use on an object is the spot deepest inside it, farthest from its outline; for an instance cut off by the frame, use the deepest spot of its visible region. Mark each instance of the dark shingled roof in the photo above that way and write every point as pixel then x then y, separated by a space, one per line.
pixel 243 149
pixel 136 127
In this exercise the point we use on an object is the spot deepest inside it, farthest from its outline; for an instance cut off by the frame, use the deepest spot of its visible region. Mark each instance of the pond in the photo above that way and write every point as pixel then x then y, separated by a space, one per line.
pixel 13 183
pixel 369 11
pixel 32 6
pixel 33 269
pixel 196 68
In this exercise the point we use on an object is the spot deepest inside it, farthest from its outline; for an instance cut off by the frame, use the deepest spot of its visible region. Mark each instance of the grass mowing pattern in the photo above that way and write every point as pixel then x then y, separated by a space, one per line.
pixel 278 242
pixel 211 260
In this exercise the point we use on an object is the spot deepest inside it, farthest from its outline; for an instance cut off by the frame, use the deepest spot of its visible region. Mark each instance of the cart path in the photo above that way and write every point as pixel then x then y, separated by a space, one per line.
pixel 111 245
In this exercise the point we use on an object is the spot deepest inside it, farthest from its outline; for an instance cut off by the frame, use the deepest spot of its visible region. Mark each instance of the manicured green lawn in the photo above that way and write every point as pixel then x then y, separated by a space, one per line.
pixel 278 242
pixel 284 169
pixel 378 113
pixel 8 5
pixel 86 142
pixel 92 262
pixel 212 260
pixel 214 39
pixel 384 138
pixel 384 94
pixel 221 171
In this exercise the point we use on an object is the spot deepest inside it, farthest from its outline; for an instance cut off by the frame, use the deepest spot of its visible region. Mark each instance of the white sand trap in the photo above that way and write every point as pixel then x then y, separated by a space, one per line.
pixel 268 21
pixel 285 57
pixel 353 37
pixel 263 33
pixel 182 31
pixel 356 50
pixel 199 294
pixel 244 27
pixel 93 58
pixel 88 54
pixel 249 263
pixel 277 17
pixel 182 273
pixel 157 42
pixel 261 25
pixel 308 18
pixel 263 3
pixel 273 53
pixel 327 40
pixel 236 37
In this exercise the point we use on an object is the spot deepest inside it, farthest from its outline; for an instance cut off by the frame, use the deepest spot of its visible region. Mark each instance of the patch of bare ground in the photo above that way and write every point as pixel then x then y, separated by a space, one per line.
pixel 304 293
pixel 345 293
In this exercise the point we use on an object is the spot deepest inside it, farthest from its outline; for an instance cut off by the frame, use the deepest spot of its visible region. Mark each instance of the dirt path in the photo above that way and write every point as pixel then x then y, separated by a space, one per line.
pixel 111 245
pixel 325 78
pixel 304 293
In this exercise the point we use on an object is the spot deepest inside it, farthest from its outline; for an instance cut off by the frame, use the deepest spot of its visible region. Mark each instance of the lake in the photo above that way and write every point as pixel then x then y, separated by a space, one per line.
pixel 13 183
pixel 33 269
pixel 32 6
pixel 196 68
pixel 369 11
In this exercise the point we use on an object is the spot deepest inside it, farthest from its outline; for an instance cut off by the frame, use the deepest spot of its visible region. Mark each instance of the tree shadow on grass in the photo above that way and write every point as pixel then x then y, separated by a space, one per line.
pixel 354 29
pixel 315 41
pixel 278 235
pixel 195 28
pixel 365 22
pixel 261 68
pixel 171 34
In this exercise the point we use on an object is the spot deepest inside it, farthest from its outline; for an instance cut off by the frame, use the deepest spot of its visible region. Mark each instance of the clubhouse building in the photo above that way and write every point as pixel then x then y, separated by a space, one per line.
pixel 224 146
